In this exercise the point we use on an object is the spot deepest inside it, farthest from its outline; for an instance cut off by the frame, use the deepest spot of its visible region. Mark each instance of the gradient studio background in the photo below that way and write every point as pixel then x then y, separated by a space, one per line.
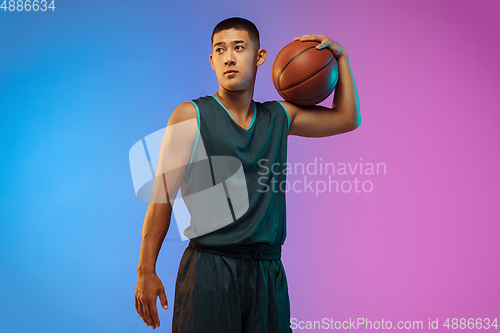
pixel 80 85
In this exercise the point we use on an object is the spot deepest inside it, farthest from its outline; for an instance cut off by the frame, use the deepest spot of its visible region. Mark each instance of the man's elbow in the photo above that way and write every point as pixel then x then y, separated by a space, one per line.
pixel 354 123
pixel 357 122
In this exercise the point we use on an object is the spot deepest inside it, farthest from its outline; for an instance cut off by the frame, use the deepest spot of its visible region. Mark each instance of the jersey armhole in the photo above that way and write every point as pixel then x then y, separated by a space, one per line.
pixel 197 136
pixel 287 116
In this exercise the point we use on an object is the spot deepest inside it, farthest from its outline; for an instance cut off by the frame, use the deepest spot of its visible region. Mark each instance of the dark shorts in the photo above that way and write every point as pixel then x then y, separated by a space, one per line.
pixel 215 293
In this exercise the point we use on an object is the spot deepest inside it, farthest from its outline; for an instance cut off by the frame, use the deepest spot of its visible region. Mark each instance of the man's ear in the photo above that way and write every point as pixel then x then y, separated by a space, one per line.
pixel 211 62
pixel 261 56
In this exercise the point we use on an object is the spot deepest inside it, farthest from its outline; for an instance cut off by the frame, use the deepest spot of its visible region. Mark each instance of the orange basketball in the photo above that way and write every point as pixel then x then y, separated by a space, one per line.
pixel 304 75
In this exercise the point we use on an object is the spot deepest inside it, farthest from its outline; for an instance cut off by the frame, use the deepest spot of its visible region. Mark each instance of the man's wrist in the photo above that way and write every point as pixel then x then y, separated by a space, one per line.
pixel 145 269
pixel 342 57
pixel 338 54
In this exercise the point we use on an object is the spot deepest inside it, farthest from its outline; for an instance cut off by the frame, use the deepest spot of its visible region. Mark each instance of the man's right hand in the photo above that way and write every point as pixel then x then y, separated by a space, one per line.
pixel 149 287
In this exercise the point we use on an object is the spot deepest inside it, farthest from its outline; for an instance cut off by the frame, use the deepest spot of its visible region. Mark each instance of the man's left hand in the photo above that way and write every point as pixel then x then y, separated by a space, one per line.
pixel 337 49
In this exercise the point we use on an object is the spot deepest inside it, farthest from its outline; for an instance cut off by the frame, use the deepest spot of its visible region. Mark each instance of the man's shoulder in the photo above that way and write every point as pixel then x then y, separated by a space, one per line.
pixel 271 101
pixel 275 105
pixel 184 111
pixel 269 104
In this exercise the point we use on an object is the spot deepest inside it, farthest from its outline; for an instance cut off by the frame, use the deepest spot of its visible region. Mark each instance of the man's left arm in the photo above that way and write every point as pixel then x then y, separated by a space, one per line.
pixel 320 121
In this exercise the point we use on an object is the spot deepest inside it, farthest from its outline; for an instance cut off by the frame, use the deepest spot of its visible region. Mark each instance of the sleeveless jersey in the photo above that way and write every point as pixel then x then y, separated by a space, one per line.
pixel 261 151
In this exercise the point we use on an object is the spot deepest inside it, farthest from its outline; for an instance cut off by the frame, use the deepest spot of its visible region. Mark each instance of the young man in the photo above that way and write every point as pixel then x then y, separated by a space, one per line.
pixel 230 277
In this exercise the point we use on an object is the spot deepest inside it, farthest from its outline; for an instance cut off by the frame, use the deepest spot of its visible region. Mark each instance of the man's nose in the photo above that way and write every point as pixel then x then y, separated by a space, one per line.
pixel 229 58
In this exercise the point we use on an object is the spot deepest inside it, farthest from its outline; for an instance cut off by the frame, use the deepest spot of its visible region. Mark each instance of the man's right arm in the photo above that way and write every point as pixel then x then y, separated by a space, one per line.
pixel 175 152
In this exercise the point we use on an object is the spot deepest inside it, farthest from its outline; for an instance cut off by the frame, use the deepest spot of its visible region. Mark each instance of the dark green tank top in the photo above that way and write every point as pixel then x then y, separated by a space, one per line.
pixel 224 152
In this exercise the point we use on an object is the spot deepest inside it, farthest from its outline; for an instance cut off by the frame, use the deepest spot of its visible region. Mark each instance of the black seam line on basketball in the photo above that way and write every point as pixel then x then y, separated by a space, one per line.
pixel 303 100
pixel 310 76
pixel 283 69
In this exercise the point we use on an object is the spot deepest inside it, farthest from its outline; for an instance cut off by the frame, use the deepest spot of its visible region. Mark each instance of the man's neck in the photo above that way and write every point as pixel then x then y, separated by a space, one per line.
pixel 238 103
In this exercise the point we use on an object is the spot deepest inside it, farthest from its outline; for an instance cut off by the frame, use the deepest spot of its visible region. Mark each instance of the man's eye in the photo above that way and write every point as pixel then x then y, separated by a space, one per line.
pixel 217 50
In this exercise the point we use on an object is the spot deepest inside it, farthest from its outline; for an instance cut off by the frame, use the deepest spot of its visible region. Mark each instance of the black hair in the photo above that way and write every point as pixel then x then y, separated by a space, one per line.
pixel 238 23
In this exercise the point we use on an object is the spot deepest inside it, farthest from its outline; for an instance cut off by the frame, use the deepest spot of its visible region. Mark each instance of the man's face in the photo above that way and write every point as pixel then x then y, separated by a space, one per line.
pixel 234 51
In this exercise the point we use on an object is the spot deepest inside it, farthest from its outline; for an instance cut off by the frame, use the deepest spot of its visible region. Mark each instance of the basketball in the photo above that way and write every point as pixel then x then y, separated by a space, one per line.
pixel 304 75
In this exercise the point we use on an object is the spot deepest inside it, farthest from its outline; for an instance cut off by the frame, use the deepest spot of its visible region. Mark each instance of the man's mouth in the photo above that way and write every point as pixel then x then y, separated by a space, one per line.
pixel 229 72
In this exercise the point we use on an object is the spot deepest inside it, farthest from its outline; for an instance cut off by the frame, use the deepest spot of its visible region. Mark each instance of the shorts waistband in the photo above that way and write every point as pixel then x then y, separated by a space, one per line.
pixel 241 251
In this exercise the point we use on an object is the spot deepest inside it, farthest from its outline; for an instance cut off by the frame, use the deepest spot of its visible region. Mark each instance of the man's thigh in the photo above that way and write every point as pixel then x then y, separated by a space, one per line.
pixel 267 305
pixel 207 296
